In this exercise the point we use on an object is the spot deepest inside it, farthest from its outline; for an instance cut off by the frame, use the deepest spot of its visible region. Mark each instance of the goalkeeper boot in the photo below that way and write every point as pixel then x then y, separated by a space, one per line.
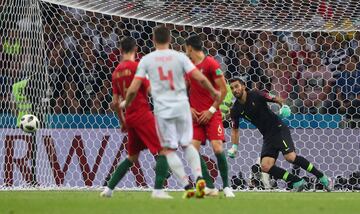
pixel 299 186
pixel 160 194
pixel 325 181
pixel 107 193
pixel 200 188
pixel 228 192
pixel 211 192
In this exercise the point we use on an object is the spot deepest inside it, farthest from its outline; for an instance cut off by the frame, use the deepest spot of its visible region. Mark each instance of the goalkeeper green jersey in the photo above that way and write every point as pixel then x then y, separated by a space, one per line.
pixel 225 106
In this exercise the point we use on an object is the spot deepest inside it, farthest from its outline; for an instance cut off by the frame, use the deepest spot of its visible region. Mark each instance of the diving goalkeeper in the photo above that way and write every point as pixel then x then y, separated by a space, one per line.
pixel 252 105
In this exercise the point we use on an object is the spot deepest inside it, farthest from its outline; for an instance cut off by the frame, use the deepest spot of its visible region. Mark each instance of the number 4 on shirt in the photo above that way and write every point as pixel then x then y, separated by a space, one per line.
pixel 169 77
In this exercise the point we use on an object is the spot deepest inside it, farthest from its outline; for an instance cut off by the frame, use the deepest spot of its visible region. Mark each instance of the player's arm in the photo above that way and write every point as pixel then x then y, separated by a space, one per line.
pixel 271 98
pixel 190 69
pixel 221 84
pixel 235 135
pixel 235 138
pixel 132 92
pixel 206 115
pixel 194 114
pixel 135 85
pixel 285 110
pixel 205 83
pixel 120 113
pixel 115 104
pixel 146 84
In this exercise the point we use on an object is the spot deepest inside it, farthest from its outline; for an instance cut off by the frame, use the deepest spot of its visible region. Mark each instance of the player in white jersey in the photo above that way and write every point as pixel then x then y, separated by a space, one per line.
pixel 166 69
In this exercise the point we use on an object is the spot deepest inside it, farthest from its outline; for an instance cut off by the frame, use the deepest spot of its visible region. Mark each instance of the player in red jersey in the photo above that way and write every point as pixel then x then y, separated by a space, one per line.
pixel 138 121
pixel 207 120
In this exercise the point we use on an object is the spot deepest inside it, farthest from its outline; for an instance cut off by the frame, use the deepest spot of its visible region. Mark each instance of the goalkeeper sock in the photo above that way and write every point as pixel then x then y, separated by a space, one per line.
pixel 305 164
pixel 177 168
pixel 206 175
pixel 223 168
pixel 119 173
pixel 161 171
pixel 193 158
pixel 280 173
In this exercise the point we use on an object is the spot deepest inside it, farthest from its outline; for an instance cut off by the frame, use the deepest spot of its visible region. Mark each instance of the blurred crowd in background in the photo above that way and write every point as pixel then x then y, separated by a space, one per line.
pixel 315 72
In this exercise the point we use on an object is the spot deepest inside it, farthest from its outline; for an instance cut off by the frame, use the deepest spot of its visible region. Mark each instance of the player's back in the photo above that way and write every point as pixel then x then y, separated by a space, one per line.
pixel 166 70
pixel 121 80
pixel 200 98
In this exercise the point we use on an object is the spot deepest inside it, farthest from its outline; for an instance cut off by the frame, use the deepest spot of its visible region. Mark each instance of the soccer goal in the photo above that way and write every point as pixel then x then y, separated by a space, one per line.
pixel 306 52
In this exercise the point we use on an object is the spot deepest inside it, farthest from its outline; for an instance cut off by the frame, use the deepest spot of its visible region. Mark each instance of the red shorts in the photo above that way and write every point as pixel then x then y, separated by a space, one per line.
pixel 213 130
pixel 143 136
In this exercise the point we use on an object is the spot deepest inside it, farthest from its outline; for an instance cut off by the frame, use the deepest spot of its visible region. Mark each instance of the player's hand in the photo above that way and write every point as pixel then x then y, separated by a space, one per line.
pixel 122 104
pixel 285 111
pixel 205 117
pixel 195 115
pixel 232 152
pixel 113 106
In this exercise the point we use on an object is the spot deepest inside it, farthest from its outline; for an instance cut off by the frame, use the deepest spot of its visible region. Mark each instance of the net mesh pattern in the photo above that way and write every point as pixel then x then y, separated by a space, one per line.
pixel 307 53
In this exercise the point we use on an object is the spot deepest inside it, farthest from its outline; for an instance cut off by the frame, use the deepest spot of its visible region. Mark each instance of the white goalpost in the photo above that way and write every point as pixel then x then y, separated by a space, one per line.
pixel 64 51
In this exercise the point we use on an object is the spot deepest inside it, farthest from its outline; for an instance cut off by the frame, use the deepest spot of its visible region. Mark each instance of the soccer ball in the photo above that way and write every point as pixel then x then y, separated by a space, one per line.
pixel 29 123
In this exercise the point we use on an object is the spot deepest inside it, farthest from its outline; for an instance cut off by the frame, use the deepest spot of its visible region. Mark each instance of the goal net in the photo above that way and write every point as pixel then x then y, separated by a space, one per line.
pixel 63 52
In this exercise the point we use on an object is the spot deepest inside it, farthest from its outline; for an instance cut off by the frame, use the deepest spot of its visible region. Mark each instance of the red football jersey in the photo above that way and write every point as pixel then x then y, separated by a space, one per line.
pixel 121 79
pixel 200 98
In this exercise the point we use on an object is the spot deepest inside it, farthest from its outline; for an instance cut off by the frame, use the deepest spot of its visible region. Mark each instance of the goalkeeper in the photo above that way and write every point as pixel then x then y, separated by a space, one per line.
pixel 252 105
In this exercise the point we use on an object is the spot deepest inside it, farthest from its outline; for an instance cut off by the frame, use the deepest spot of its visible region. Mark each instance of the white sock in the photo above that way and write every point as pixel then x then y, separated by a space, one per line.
pixel 265 178
pixel 193 158
pixel 177 168
pixel 107 189
pixel 158 191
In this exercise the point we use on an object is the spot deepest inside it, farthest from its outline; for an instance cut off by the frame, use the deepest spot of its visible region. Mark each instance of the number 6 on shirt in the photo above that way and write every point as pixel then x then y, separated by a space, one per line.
pixel 169 77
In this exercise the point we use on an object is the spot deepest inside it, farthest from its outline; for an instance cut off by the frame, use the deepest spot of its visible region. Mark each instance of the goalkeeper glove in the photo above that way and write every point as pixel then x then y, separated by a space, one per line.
pixel 285 111
pixel 232 152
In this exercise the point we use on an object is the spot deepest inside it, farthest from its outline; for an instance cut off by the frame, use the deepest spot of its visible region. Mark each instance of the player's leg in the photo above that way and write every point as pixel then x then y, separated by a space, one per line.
pixel 119 173
pixel 269 155
pixel 293 158
pixel 215 133
pixel 167 133
pixel 268 166
pixel 148 136
pixel 184 130
pixel 161 172
pixel 288 149
pixel 217 146
pixel 199 137
pixel 133 154
pixel 210 189
pixel 221 161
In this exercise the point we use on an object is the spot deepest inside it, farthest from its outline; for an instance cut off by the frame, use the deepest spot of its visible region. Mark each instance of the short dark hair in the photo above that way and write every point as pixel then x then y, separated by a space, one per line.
pixel 238 79
pixel 195 42
pixel 161 35
pixel 127 44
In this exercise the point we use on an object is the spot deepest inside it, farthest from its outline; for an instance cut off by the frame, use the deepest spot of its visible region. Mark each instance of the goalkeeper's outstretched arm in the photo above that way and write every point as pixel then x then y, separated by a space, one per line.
pixel 235 139
pixel 273 99
pixel 285 110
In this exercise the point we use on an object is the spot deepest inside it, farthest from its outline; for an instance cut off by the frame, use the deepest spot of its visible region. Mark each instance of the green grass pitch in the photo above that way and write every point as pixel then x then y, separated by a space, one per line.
pixel 87 202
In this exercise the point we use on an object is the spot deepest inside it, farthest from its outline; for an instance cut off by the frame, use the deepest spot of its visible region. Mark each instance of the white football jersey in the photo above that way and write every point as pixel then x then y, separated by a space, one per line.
pixel 166 71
